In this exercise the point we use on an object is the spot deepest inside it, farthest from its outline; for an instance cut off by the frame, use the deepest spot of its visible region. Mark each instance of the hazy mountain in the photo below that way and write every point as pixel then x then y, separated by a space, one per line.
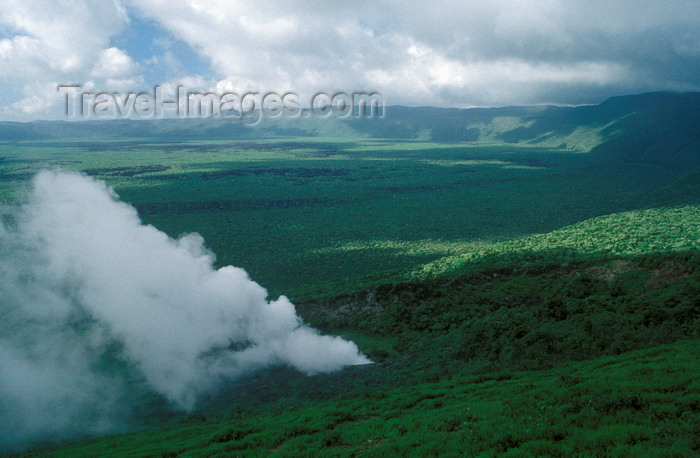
pixel 658 127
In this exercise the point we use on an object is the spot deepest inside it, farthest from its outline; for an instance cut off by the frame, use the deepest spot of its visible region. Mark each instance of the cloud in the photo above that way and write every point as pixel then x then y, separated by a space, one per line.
pixel 92 299
pixel 51 43
pixel 114 63
pixel 479 53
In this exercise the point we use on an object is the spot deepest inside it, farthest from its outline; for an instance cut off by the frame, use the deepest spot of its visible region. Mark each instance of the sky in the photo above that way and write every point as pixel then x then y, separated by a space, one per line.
pixel 445 53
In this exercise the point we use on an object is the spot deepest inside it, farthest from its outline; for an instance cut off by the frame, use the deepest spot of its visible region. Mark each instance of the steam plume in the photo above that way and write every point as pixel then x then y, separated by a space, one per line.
pixel 83 283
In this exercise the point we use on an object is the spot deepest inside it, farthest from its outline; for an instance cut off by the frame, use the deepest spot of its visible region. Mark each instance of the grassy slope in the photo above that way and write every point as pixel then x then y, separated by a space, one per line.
pixel 604 238
pixel 631 233
pixel 451 345
pixel 641 403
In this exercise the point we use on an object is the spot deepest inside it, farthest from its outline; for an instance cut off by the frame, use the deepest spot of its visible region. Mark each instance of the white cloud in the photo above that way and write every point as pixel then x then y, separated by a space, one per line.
pixel 114 63
pixel 115 71
pixel 54 42
pixel 492 52
pixel 464 53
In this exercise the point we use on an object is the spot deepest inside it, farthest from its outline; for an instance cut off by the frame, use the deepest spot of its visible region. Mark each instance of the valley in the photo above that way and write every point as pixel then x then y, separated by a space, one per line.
pixel 526 280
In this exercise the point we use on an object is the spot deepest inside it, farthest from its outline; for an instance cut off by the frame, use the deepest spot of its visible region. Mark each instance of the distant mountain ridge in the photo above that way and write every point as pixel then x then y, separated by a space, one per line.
pixel 659 127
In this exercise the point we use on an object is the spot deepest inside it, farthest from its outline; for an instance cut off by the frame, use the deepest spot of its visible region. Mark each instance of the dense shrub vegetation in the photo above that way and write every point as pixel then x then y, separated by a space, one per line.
pixel 448 379
pixel 640 403
pixel 526 280
pixel 308 218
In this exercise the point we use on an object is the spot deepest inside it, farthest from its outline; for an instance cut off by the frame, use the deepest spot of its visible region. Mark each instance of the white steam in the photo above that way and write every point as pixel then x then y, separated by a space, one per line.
pixel 83 281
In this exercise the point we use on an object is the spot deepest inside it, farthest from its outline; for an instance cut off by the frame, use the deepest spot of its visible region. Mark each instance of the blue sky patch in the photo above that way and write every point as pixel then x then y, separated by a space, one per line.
pixel 160 55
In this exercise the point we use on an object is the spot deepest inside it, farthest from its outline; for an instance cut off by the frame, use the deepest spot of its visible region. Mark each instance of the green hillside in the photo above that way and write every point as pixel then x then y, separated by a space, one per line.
pixel 592 351
pixel 602 239
pixel 635 233
pixel 643 403
pixel 543 298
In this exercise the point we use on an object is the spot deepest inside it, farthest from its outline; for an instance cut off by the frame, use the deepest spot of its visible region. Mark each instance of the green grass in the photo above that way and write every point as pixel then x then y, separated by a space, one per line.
pixel 643 403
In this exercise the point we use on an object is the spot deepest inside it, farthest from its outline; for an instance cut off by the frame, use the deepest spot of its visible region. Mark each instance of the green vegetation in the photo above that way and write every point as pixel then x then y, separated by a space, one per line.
pixel 526 279
pixel 605 238
pixel 643 403
pixel 448 380
pixel 339 210
pixel 658 230
pixel 342 199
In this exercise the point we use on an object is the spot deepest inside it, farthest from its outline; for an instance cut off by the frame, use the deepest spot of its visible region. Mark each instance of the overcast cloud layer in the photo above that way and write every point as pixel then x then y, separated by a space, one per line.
pixel 452 53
